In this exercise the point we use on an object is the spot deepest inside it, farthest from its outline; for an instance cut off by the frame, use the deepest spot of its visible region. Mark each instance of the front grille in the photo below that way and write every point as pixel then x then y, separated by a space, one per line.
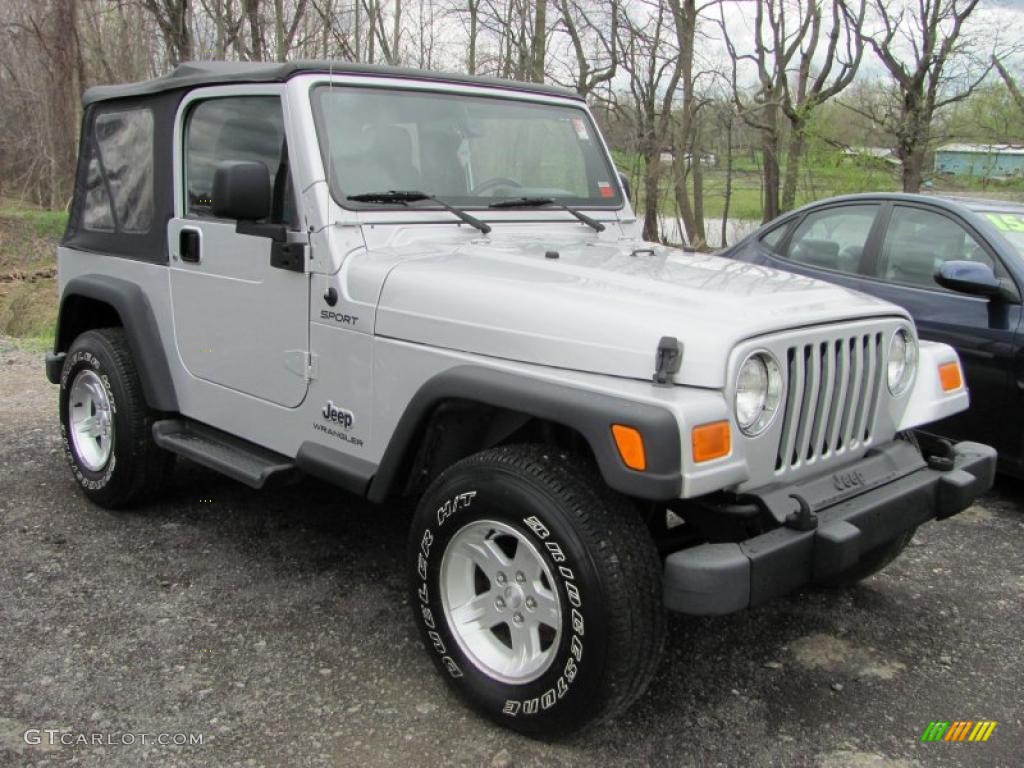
pixel 832 398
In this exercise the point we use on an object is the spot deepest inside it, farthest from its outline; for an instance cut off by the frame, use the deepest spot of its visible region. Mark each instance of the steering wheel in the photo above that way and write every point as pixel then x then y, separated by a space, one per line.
pixel 494 183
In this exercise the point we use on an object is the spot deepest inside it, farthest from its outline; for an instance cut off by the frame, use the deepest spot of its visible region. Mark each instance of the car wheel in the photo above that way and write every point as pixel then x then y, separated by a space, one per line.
pixel 871 562
pixel 874 560
pixel 537 589
pixel 105 423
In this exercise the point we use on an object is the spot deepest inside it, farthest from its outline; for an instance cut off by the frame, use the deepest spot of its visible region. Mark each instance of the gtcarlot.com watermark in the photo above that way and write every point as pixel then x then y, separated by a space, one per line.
pixel 52 737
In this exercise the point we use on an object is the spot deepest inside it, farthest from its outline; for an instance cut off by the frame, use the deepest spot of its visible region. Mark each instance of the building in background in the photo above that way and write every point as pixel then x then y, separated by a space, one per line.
pixel 870 156
pixel 990 161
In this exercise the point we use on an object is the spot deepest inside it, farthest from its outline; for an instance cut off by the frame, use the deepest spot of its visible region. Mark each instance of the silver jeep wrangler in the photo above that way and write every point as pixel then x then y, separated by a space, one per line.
pixel 433 287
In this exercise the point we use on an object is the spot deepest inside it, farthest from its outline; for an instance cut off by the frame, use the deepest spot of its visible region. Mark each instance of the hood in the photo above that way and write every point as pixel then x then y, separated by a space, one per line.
pixel 601 307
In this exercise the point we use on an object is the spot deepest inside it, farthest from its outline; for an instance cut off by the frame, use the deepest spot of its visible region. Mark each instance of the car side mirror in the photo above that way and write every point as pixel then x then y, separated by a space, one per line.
pixel 241 191
pixel 974 278
pixel 624 181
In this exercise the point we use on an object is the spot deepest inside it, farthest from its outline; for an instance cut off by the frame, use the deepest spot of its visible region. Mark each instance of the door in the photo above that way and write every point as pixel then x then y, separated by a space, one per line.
pixel 830 243
pixel 239 321
pixel 917 241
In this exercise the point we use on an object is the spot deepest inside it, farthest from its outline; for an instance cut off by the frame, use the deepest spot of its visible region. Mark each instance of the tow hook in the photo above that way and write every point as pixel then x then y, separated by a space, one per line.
pixel 941 460
pixel 803 519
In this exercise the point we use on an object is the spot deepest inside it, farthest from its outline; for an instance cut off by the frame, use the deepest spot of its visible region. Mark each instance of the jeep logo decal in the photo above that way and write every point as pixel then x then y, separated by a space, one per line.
pixel 843 481
pixel 341 416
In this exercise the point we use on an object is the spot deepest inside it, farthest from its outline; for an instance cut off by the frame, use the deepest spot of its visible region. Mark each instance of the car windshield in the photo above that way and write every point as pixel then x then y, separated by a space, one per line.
pixel 1011 225
pixel 470 151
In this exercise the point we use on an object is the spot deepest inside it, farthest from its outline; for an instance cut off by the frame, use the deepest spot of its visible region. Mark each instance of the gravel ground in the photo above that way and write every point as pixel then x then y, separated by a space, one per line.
pixel 275 626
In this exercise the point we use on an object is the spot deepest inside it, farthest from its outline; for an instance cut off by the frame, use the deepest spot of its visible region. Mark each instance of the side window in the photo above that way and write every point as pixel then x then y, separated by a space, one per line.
pixel 119 177
pixel 833 238
pixel 97 214
pixel 772 240
pixel 237 128
pixel 918 241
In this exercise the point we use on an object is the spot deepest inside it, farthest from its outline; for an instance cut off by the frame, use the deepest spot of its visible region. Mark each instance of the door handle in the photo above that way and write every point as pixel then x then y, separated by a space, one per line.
pixel 189 245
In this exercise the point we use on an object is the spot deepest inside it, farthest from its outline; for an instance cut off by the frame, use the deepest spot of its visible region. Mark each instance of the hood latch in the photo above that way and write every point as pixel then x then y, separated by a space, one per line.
pixel 667 360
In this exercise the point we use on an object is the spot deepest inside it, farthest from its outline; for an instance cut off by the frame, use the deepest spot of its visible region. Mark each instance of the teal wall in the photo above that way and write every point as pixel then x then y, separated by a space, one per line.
pixel 978 164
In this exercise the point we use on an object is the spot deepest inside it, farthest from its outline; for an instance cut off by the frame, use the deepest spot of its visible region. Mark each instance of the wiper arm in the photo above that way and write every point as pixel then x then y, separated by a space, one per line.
pixel 537 202
pixel 404 197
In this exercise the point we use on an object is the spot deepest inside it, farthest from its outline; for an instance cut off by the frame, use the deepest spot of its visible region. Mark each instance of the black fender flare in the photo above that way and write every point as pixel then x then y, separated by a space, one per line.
pixel 589 413
pixel 140 328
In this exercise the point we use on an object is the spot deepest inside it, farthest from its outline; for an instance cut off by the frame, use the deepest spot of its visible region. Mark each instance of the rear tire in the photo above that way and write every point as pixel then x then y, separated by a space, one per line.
pixel 105 424
pixel 537 590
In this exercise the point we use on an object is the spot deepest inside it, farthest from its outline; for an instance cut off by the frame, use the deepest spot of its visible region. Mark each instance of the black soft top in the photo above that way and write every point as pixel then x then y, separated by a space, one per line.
pixel 194 74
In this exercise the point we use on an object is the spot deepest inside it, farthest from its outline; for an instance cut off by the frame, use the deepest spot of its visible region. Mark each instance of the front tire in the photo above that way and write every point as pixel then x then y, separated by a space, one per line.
pixel 874 560
pixel 871 562
pixel 537 589
pixel 106 425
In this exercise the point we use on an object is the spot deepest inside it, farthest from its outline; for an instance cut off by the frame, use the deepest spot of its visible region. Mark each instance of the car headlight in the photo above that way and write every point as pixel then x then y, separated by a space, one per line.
pixel 902 361
pixel 758 393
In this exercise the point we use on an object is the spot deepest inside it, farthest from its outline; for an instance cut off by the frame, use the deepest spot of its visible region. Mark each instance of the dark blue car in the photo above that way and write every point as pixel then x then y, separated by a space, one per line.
pixel 957 265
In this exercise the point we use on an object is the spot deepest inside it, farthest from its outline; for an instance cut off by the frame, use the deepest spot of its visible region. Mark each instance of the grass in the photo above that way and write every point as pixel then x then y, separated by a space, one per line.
pixel 824 175
pixel 28 284
pixel 35 345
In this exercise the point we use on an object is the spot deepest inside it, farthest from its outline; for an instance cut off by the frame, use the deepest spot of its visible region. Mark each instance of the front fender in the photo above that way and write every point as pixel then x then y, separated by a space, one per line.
pixel 589 413
pixel 928 401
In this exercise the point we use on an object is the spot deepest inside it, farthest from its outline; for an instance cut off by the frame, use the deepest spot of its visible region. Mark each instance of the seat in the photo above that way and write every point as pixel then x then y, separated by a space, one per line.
pixel 392 150
pixel 817 253
pixel 439 151
pixel 245 140
pixel 911 261
pixel 849 258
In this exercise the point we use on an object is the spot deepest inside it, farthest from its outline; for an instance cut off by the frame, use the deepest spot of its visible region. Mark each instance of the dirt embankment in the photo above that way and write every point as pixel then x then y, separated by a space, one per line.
pixel 28 270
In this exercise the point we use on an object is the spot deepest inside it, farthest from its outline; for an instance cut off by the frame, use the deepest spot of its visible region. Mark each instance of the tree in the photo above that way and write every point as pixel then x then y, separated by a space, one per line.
pixel 173 19
pixel 473 8
pixel 687 152
pixel 539 43
pixel 594 44
pixel 654 70
pixel 788 41
pixel 1011 84
pixel 842 56
pixel 931 66
pixel 285 28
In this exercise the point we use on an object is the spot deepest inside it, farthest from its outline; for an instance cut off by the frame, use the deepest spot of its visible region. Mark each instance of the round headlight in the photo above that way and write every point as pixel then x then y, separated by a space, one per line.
pixel 758 393
pixel 902 361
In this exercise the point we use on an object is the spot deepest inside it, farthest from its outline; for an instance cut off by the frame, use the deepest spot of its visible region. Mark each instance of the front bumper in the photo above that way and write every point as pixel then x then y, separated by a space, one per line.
pixel 726 577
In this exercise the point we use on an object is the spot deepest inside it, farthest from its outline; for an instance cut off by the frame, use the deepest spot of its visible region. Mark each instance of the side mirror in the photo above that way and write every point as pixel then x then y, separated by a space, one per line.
pixel 973 278
pixel 624 180
pixel 241 191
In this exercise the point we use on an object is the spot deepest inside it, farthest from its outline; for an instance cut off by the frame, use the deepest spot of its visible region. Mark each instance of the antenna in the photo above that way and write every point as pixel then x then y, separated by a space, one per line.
pixel 328 160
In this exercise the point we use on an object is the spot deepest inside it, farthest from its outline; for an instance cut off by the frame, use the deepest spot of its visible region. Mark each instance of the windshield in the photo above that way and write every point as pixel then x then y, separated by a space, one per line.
pixel 1011 225
pixel 470 151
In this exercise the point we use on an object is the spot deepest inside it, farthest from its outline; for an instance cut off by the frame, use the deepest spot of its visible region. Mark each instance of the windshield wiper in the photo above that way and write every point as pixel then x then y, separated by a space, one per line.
pixel 537 202
pixel 404 197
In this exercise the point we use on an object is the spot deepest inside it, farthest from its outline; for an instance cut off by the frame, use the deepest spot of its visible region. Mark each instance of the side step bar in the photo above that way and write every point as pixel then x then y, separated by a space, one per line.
pixel 238 459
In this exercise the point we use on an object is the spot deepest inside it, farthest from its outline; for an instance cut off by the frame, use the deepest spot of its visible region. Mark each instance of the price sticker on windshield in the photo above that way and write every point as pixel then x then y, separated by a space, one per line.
pixel 580 125
pixel 1007 222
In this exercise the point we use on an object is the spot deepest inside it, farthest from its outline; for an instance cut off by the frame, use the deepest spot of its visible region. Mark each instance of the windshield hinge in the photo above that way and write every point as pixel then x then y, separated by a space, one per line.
pixel 667 360
pixel 312 366
pixel 302 363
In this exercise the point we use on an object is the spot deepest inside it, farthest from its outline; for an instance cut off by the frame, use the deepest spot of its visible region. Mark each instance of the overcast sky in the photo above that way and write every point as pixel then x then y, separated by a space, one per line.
pixel 995 20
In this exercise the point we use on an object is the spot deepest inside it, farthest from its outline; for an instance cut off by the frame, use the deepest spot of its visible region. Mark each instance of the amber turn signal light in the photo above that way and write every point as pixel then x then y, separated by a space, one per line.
pixel 711 441
pixel 950 376
pixel 630 443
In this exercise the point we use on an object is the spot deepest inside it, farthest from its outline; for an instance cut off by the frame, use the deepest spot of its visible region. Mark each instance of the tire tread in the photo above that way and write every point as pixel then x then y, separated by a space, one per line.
pixel 622 551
